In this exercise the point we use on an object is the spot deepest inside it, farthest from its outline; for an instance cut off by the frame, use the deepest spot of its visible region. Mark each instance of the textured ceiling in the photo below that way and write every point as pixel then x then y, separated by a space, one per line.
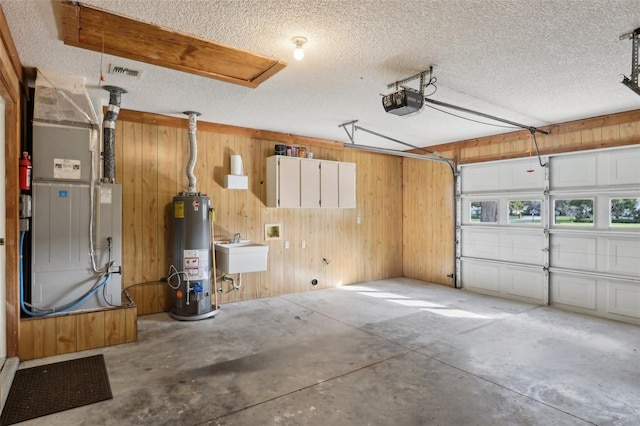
pixel 535 62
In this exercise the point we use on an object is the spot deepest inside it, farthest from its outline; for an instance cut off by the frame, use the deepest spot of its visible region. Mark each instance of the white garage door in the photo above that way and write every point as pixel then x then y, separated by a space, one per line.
pixel 567 234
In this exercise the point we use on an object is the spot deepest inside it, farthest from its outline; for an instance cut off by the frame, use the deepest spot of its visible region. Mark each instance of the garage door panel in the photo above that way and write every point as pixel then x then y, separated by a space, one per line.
pixel 523 282
pixel 623 168
pixel 593 267
pixel 622 256
pixel 624 299
pixel 508 176
pixel 574 252
pixel 521 247
pixel 481 276
pixel 514 176
pixel 514 282
pixel 572 172
pixel 573 290
pixel 481 243
pixel 480 178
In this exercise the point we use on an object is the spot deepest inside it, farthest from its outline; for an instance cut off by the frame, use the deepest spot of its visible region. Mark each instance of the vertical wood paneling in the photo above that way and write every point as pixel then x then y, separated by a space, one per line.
pixel 369 250
pixel 149 210
pixel 114 328
pixel 131 328
pixel 427 221
pixel 132 209
pixel 167 178
pixel 61 334
pixel 66 334
pixel 91 330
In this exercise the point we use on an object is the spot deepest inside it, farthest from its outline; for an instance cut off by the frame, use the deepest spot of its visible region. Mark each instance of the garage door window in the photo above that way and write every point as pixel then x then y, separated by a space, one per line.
pixel 625 212
pixel 574 212
pixel 484 211
pixel 525 212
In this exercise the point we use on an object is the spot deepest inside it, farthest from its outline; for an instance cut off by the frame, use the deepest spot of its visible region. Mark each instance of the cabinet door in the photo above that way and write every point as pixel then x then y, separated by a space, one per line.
pixel 310 183
pixel 347 185
pixel 329 184
pixel 288 182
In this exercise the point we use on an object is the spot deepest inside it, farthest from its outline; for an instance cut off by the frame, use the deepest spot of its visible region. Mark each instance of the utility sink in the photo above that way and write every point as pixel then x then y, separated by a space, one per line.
pixel 240 257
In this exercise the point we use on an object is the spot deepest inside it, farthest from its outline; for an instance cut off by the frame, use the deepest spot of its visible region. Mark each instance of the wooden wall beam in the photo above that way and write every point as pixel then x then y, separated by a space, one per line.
pixel 579 130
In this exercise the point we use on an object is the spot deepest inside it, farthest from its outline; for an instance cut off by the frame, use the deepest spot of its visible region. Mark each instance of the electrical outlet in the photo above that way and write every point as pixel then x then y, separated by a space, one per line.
pixel 358 220
pixel 303 244
pixel 286 244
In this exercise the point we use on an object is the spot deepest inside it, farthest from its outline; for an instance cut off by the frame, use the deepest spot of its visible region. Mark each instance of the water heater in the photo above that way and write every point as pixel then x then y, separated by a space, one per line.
pixel 191 279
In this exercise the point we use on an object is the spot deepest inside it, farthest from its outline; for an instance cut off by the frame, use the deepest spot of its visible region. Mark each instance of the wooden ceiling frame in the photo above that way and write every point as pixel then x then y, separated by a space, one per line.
pixel 101 31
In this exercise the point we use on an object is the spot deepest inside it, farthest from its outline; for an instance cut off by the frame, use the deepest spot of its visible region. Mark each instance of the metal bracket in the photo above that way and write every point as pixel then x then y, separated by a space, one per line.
pixel 421 75
pixel 353 129
pixel 632 82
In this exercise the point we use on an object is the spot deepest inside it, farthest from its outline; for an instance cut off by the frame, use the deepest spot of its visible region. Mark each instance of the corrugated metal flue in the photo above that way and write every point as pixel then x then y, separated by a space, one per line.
pixel 109 133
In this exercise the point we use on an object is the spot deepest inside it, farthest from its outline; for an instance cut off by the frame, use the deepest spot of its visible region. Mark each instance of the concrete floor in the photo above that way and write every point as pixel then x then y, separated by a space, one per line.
pixel 392 352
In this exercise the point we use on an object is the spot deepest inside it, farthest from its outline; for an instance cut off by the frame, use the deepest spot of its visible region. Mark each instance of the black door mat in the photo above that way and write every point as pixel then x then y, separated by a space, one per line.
pixel 51 388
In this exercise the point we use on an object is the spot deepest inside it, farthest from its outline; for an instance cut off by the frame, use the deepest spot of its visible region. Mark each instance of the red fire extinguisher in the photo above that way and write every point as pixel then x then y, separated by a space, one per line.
pixel 25 172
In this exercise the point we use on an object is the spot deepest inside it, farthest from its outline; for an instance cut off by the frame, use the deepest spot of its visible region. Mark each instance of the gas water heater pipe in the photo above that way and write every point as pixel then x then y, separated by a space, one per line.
pixel 109 133
pixel 193 149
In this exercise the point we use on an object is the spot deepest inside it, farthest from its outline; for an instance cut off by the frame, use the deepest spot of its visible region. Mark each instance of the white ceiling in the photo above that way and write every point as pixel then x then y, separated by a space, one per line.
pixel 530 61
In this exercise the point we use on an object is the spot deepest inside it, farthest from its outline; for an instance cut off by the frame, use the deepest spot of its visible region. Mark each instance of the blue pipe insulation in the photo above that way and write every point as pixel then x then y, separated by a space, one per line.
pixel 64 308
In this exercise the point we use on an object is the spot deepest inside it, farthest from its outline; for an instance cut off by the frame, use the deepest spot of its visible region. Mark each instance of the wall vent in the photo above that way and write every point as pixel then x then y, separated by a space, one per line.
pixel 128 72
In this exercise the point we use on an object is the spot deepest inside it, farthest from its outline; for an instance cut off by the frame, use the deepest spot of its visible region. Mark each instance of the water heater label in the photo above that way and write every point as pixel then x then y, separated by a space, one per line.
pixel 178 209
pixel 196 264
pixel 64 168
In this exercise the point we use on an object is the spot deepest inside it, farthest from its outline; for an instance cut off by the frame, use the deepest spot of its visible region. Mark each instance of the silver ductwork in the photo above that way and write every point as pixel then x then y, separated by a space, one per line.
pixel 193 149
pixel 109 133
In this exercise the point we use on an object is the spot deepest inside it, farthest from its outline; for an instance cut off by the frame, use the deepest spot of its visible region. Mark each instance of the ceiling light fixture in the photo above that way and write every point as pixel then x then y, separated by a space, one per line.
pixel 298 52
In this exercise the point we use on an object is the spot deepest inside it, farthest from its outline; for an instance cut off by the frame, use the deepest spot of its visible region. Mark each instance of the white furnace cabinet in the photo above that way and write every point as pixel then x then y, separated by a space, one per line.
pixel 308 183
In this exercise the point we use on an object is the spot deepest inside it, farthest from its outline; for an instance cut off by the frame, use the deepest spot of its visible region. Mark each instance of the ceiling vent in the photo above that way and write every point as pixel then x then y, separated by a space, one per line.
pixel 127 72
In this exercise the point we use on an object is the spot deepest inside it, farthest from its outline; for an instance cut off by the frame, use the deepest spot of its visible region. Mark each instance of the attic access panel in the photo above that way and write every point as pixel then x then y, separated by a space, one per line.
pixel 101 31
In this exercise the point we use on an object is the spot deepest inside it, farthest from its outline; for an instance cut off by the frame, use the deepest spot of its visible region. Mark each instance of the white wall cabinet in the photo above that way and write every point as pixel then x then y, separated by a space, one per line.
pixel 329 184
pixel 347 185
pixel 309 183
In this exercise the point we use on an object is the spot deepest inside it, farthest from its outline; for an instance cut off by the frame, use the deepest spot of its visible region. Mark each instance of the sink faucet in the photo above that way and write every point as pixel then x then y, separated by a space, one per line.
pixel 236 238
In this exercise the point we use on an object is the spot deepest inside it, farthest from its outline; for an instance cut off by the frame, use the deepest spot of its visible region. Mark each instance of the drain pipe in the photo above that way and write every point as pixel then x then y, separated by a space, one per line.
pixel 109 133
pixel 229 278
pixel 193 149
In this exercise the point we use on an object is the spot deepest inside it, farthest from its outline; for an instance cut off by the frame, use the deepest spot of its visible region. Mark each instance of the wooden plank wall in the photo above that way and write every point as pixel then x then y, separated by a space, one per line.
pixel 428 241
pixel 56 335
pixel 428 205
pixel 151 157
